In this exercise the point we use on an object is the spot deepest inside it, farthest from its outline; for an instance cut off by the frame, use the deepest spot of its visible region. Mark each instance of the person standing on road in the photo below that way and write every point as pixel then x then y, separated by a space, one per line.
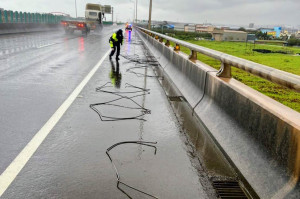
pixel 115 41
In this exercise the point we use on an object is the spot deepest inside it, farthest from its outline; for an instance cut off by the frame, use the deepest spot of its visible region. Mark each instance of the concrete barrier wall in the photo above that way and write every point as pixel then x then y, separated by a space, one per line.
pixel 10 28
pixel 259 136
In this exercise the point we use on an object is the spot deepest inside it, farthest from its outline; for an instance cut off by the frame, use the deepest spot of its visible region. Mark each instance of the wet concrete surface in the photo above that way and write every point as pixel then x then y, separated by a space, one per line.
pixel 71 162
pixel 38 71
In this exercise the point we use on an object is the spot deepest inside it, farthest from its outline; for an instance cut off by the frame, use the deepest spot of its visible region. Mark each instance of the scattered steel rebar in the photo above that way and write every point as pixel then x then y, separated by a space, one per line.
pixel 109 85
pixel 150 144
pixel 139 92
pixel 132 70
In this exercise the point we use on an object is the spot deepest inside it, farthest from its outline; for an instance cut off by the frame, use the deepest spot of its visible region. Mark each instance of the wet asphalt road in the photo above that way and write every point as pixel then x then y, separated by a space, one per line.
pixel 37 73
pixel 71 162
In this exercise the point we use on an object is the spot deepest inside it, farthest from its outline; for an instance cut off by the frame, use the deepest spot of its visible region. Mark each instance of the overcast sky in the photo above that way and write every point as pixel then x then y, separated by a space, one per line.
pixel 233 12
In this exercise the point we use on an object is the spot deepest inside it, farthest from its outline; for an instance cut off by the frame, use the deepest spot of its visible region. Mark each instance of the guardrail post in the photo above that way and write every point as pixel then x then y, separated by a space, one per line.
pixel 225 71
pixel 193 56
pixel 11 15
pixel 25 17
pixel 8 17
pixel 30 17
pixel 21 17
pixel 167 43
pixel 177 48
pixel 16 17
pixel 5 17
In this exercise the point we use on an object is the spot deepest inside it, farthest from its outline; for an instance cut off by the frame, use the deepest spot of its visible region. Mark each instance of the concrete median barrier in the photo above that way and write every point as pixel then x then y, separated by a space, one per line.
pixel 11 28
pixel 259 136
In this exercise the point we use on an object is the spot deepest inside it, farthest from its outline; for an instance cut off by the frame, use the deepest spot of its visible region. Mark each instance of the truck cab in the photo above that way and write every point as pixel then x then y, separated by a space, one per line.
pixel 93 12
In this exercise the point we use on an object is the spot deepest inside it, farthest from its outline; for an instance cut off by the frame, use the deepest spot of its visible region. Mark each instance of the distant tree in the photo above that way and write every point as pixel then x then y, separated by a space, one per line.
pixel 242 29
pixel 294 42
pixel 262 36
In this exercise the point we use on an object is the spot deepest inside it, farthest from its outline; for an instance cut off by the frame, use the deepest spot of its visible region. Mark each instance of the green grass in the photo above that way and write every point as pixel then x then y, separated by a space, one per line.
pixel 285 62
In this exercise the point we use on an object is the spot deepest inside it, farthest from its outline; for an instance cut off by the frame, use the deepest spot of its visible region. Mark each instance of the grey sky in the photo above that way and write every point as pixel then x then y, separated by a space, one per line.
pixel 238 12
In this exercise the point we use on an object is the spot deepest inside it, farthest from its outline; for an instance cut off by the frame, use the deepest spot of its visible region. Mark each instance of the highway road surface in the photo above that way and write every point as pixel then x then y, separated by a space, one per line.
pixel 64 103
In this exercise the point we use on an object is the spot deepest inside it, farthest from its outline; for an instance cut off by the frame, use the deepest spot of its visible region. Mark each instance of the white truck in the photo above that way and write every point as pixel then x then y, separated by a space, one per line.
pixel 94 12
pixel 76 24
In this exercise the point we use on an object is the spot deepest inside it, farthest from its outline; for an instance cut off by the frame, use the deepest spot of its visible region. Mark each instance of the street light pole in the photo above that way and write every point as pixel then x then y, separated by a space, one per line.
pixel 136 2
pixel 134 9
pixel 76 8
pixel 112 14
pixel 150 11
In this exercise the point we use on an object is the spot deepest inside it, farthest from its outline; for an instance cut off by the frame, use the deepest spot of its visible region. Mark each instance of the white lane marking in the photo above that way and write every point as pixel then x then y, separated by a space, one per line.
pixel 46 45
pixel 11 172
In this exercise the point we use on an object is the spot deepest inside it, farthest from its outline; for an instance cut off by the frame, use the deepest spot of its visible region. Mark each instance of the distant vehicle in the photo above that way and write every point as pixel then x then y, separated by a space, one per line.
pixel 81 25
pixel 94 12
pixel 128 27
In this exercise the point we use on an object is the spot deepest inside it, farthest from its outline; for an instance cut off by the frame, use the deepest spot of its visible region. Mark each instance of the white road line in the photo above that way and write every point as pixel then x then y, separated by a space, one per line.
pixel 11 172
pixel 46 45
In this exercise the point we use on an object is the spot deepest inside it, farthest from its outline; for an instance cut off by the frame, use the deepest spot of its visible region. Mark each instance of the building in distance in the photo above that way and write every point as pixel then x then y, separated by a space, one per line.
pixel 204 28
pixel 274 32
pixel 229 35
pixel 190 28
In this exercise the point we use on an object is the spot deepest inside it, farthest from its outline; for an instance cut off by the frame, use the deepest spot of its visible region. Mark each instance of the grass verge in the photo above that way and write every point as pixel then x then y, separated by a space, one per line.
pixel 286 62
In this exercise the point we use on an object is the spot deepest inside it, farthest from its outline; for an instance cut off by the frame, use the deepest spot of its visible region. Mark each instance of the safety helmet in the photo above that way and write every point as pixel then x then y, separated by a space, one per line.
pixel 120 31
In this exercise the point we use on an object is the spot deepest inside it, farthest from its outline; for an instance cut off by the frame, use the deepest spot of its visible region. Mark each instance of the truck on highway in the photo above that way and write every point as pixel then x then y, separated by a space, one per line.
pixel 94 12
pixel 78 24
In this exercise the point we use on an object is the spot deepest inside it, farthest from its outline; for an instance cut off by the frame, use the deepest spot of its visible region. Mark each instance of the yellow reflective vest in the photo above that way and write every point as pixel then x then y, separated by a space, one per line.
pixel 113 39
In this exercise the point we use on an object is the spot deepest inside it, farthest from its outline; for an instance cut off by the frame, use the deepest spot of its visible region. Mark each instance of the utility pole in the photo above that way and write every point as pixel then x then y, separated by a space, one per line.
pixel 112 14
pixel 134 11
pixel 150 10
pixel 76 8
pixel 133 15
pixel 136 3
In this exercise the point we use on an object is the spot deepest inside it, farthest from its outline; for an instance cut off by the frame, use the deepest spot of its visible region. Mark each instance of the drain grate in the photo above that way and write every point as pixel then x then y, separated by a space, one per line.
pixel 229 189
pixel 176 98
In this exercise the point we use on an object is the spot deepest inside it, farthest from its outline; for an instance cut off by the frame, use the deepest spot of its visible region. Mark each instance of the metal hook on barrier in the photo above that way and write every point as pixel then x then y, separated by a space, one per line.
pixel 204 89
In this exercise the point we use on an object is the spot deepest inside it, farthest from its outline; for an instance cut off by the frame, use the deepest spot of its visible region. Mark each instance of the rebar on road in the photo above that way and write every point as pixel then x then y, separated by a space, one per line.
pixel 150 144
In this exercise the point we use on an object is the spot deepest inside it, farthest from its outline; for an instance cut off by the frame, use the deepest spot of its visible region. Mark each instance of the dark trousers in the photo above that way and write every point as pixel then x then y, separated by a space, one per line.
pixel 116 47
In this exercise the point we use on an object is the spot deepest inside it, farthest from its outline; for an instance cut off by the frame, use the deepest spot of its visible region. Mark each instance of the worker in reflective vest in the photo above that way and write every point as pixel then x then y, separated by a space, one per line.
pixel 115 41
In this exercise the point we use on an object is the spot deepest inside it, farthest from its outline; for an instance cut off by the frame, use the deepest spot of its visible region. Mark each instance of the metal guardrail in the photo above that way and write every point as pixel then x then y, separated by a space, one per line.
pixel 274 75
